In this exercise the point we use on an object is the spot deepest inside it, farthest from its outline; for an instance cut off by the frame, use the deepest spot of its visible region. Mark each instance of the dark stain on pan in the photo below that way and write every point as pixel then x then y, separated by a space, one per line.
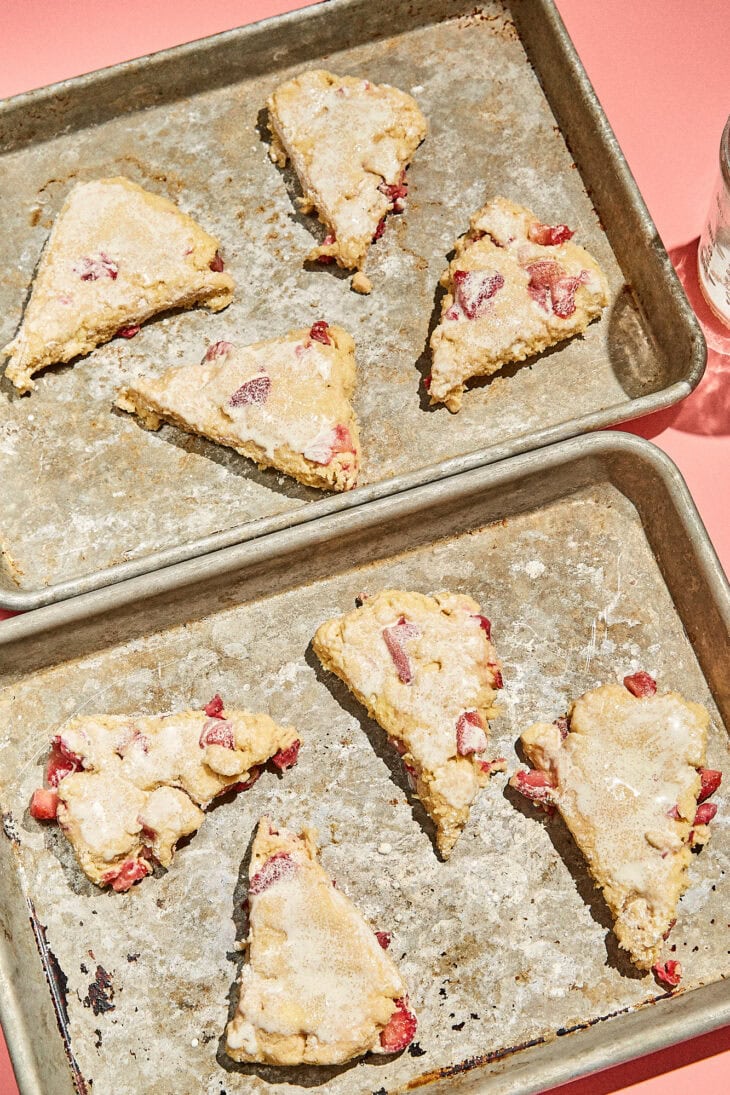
pixel 10 828
pixel 101 993
pixel 58 985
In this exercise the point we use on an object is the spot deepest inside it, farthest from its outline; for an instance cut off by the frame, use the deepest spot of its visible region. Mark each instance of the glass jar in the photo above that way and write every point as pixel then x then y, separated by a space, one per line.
pixel 714 251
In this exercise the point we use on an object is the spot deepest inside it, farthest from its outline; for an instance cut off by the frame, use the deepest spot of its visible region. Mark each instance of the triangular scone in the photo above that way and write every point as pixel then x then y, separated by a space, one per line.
pixel 284 403
pixel 116 256
pixel 427 671
pixel 514 287
pixel 126 788
pixel 625 770
pixel 318 987
pixel 350 142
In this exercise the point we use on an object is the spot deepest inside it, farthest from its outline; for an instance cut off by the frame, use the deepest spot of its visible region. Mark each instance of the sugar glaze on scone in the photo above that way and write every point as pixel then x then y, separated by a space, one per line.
pixel 514 287
pixel 284 403
pixel 318 987
pixel 116 256
pixel 350 142
pixel 427 672
pixel 625 770
pixel 126 788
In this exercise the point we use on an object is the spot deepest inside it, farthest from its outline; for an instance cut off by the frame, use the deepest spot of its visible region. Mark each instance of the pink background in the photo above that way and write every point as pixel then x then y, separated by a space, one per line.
pixel 661 73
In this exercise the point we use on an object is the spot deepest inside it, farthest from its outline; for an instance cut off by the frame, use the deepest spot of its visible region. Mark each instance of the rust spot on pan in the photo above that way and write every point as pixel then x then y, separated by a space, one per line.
pixel 101 993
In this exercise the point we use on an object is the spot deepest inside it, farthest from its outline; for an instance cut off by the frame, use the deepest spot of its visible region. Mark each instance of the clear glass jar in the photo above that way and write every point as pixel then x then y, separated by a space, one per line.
pixel 713 255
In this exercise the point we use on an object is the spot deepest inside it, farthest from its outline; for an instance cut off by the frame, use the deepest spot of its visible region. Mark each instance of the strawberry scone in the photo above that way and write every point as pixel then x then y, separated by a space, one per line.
pixel 284 403
pixel 349 141
pixel 116 256
pixel 514 287
pixel 427 672
pixel 318 987
pixel 625 768
pixel 126 788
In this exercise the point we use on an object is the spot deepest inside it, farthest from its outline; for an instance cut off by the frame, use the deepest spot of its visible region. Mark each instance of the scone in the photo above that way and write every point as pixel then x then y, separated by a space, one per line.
pixel 514 287
pixel 625 770
pixel 116 256
pixel 427 672
pixel 318 987
pixel 126 788
pixel 284 403
pixel 349 141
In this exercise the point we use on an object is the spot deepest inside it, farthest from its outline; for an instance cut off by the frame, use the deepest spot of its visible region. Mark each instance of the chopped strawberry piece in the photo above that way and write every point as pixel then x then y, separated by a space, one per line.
pixel 92 269
pixel 396 193
pixel 497 679
pixel 124 877
pixel 474 289
pixel 550 286
pixel 535 785
pixel 705 813
pixel 128 332
pixel 411 775
pixel 319 331
pixel 330 441
pixel 244 785
pixel 563 726
pixel 214 708
pixel 384 939
pixel 640 685
pixel 470 736
pixel 499 764
pixel 328 240
pixel 287 758
pixel 395 637
pixel 277 867
pixel 549 235
pixel 670 972
pixel 216 264
pixel 401 1028
pixel 131 739
pixel 710 780
pixel 256 390
pixel 674 813
pixel 217 349
pixel 61 762
pixel 217 732
pixel 44 804
pixel 485 625
pixel 427 382
pixel 379 230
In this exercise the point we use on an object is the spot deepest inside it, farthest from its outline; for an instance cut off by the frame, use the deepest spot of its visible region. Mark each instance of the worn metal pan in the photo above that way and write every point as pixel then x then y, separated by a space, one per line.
pixel 90 498
pixel 591 561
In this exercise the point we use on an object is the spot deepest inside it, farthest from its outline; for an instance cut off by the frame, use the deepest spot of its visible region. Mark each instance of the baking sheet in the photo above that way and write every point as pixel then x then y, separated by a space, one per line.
pixel 590 561
pixel 89 497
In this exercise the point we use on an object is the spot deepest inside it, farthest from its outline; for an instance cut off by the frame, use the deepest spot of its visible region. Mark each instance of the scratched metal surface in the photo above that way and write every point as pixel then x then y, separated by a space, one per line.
pixel 507 942
pixel 90 497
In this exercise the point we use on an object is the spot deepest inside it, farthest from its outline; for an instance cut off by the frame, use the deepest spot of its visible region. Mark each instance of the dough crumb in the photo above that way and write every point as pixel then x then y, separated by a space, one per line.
pixel 385 849
pixel 361 283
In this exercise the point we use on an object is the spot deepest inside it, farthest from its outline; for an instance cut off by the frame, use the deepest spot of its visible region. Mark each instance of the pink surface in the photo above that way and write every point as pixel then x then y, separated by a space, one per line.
pixel 660 70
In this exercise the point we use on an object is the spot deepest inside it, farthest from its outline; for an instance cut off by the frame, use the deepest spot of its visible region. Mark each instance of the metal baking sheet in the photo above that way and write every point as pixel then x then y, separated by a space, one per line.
pixel 591 561
pixel 89 497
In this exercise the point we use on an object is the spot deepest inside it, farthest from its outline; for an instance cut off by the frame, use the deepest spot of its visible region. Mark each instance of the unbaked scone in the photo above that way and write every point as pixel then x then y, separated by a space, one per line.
pixel 514 287
pixel 349 141
pixel 116 255
pixel 625 769
pixel 284 403
pixel 126 788
pixel 318 987
pixel 427 672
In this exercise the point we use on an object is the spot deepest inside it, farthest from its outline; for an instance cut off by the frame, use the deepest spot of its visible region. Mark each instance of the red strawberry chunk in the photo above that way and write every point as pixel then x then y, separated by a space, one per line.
pixel 256 390
pixel 217 349
pixel 244 785
pixel 710 780
pixel 674 813
pixel 91 269
pixel 549 235
pixel 61 762
pixel 128 332
pixel 124 877
pixel 670 972
pixel 474 289
pixel 44 804
pixel 470 736
pixel 563 726
pixel 411 775
pixel 328 240
pixel 384 939
pixel 485 625
pixel 499 764
pixel 330 441
pixel 497 679
pixel 427 382
pixel 550 286
pixel 640 685
pixel 401 1028
pixel 379 230
pixel 395 638
pixel 319 331
pixel 705 813
pixel 216 264
pixel 214 708
pixel 279 866
pixel 217 732
pixel 287 758
pixel 396 193
pixel 535 785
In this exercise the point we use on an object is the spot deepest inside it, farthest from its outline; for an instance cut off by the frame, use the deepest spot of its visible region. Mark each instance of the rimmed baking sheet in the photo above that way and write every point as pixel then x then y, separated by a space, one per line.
pixel 89 497
pixel 591 562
